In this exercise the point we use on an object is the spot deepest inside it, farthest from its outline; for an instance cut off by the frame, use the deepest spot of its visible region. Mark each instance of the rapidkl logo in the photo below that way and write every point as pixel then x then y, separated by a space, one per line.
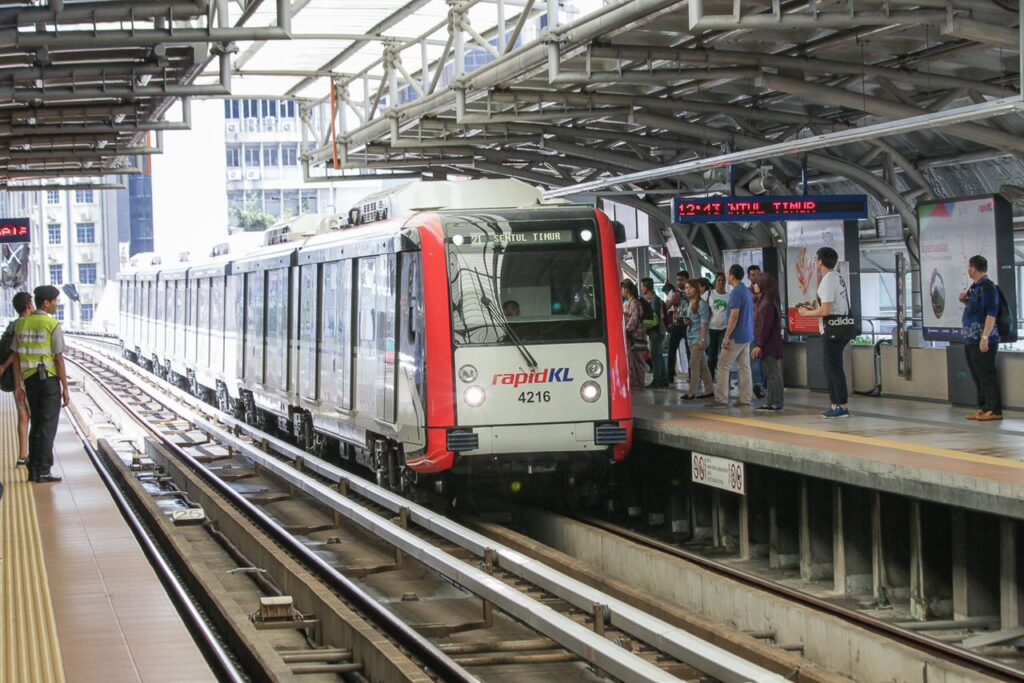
pixel 548 376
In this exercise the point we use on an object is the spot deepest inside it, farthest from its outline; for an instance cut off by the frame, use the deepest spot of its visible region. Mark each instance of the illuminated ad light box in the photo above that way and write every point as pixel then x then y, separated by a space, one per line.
pixel 803 239
pixel 770 209
pixel 14 231
pixel 952 232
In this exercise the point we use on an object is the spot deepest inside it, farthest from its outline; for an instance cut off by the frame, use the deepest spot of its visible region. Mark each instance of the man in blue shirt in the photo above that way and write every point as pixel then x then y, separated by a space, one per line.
pixel 739 333
pixel 981 339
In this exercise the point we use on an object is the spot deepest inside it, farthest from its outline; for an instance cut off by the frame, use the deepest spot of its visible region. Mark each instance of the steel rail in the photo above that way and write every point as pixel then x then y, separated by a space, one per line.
pixel 907 637
pixel 440 663
pixel 204 636
pixel 672 640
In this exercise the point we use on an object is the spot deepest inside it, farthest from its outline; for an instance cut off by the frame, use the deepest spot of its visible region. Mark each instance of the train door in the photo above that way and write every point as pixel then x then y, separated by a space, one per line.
pixel 255 291
pixel 217 324
pixel 234 318
pixel 411 378
pixel 309 297
pixel 203 324
pixel 335 365
pixel 375 347
pixel 276 352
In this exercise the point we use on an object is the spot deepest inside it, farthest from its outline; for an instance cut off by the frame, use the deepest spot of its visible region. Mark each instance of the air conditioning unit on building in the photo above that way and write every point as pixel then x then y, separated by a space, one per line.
pixel 53 215
pixel 270 123
pixel 287 125
pixel 234 174
pixel 231 126
pixel 52 258
pixel 85 216
pixel 252 174
pixel 252 124
pixel 86 256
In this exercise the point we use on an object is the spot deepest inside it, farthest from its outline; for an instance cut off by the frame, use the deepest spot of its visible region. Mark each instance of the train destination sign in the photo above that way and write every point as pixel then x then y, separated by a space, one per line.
pixel 763 209
pixel 480 238
pixel 14 231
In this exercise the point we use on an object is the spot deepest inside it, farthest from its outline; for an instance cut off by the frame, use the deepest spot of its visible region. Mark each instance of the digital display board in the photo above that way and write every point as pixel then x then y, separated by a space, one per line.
pixel 953 231
pixel 479 238
pixel 762 209
pixel 14 230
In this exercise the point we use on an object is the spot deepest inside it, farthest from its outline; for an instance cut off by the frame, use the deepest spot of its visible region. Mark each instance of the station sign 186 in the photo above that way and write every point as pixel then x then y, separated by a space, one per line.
pixel 721 473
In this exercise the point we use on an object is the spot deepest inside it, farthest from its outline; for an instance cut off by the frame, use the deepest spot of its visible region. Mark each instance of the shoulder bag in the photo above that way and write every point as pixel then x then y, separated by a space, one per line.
pixel 841 329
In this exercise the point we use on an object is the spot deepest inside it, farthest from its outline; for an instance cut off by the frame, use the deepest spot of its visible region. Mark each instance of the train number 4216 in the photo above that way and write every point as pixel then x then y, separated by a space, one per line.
pixel 534 397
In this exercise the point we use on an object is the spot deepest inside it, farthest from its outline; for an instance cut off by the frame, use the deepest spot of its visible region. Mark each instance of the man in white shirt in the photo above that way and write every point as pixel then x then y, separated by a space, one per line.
pixel 718 301
pixel 833 299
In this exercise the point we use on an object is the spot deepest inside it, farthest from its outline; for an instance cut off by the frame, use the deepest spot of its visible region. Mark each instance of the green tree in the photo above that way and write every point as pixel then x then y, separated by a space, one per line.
pixel 252 217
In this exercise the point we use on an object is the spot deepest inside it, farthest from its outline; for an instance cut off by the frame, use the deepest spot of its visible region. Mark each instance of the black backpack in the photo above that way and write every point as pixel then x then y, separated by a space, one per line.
pixel 6 347
pixel 649 317
pixel 1006 321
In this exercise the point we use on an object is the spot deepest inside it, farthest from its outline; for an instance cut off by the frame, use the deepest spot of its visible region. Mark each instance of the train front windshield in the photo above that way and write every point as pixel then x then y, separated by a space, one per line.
pixel 524 282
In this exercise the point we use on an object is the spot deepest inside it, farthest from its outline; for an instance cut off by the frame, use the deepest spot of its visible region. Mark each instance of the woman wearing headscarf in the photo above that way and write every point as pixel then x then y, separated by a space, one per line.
pixel 636 334
pixel 768 339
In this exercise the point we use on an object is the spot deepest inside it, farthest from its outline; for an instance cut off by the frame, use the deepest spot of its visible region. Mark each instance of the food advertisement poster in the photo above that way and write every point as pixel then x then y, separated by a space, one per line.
pixel 803 239
pixel 951 233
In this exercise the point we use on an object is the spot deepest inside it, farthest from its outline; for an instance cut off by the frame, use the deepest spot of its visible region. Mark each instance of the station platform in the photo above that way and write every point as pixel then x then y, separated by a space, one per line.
pixel 911 448
pixel 80 601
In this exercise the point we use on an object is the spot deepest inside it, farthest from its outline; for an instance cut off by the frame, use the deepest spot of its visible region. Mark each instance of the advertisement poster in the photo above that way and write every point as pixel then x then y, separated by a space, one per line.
pixel 951 233
pixel 803 239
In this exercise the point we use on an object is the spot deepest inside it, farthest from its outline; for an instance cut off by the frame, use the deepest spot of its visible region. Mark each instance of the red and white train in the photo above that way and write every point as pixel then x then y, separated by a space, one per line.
pixel 461 327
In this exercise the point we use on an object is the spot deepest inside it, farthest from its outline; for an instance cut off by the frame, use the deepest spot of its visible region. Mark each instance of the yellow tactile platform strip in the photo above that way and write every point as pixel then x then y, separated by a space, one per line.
pixel 29 647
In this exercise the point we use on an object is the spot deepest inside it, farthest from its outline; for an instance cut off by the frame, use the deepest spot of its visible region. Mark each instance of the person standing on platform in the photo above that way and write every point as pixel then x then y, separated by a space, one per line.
pixel 636 335
pixel 697 335
pixel 718 300
pixel 41 379
pixel 22 303
pixel 756 371
pixel 833 299
pixel 677 330
pixel 655 334
pixel 768 340
pixel 739 333
pixel 981 339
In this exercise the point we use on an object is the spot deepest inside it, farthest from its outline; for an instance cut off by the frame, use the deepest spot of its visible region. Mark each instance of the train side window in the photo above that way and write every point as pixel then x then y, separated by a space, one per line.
pixel 277 328
pixel 193 320
pixel 179 318
pixel 203 323
pixel 329 332
pixel 253 343
pixel 308 297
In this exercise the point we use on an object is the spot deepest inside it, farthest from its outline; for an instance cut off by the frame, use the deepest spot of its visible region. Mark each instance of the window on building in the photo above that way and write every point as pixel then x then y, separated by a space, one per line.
pixel 308 201
pixel 83 197
pixel 289 155
pixel 52 197
pixel 86 233
pixel 231 109
pixel 250 108
pixel 252 156
pixel 56 275
pixel 270 155
pixel 288 109
pixel 59 314
pixel 87 273
pixel 87 312
pixel 53 233
pixel 234 156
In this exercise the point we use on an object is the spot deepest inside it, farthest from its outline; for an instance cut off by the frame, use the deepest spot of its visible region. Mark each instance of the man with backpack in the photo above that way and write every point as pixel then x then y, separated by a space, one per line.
pixel 981 335
pixel 655 325
pixel 22 303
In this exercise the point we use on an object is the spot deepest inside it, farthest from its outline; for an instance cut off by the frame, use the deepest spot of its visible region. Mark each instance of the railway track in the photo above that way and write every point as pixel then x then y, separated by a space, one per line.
pixel 462 605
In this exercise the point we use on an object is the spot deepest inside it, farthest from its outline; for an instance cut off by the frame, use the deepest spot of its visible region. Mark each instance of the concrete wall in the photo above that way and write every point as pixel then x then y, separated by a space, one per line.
pixel 928 378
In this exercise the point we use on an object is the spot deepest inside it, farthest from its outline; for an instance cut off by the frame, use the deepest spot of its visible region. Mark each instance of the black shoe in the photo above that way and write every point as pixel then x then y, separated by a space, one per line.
pixel 46 479
pixel 22 462
pixel 758 391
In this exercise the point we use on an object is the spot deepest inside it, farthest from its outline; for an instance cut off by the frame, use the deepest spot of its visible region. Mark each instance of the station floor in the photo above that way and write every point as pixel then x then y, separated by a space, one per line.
pixel 915 448
pixel 79 600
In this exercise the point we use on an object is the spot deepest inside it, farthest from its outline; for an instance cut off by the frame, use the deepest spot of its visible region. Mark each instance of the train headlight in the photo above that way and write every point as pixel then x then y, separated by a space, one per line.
pixel 595 368
pixel 474 396
pixel 586 235
pixel 467 373
pixel 458 240
pixel 590 391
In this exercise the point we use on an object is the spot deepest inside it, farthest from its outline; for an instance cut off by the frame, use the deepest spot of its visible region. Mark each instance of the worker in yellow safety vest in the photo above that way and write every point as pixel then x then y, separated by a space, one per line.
pixel 41 379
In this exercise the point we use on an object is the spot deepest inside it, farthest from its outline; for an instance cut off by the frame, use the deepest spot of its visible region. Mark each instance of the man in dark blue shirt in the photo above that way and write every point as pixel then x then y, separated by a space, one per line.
pixel 981 339
pixel 739 332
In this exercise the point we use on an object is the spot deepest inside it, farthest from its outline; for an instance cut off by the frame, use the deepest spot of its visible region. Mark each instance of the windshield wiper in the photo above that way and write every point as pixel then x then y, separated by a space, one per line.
pixel 502 322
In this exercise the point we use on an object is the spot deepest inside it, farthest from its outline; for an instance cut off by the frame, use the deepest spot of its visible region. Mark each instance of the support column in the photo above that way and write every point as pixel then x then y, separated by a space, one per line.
pixel 702 518
pixel 851 545
pixel 725 506
pixel 783 523
pixel 1011 573
pixel 816 557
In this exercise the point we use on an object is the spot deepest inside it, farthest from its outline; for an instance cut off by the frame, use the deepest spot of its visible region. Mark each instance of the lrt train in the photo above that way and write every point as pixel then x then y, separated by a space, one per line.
pixel 441 327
